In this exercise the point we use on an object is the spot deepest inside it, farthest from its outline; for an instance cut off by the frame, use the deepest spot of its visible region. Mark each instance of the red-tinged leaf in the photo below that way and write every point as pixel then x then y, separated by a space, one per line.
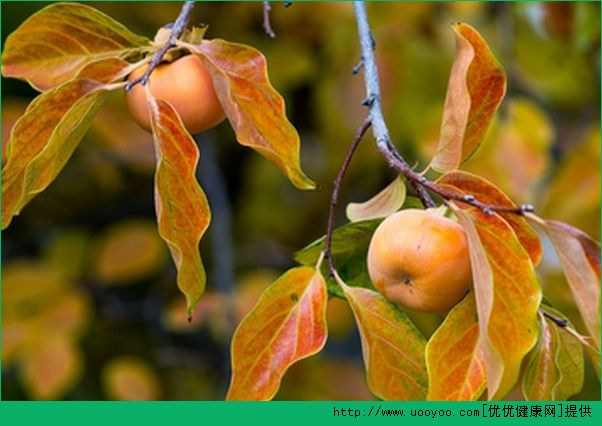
pixel 386 202
pixel 555 368
pixel 476 86
pixel 507 294
pixel 182 208
pixel 454 360
pixel 579 256
pixel 287 324
pixel 255 110
pixel 488 193
pixel 393 348
pixel 54 44
pixel 45 137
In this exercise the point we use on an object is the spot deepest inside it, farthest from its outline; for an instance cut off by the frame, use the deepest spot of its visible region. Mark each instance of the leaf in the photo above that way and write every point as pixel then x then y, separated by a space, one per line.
pixel 488 193
pixel 555 368
pixel 349 250
pixel 129 378
pixel 386 202
pixel 255 110
pixel 181 206
pixel 287 324
pixel 476 86
pixel 128 251
pixel 392 347
pixel 54 44
pixel 579 256
pixel 45 137
pixel 454 360
pixel 52 365
pixel 507 294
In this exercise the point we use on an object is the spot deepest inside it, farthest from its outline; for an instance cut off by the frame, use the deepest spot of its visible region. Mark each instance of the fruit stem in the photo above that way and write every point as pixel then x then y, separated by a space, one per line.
pixel 381 133
pixel 176 31
pixel 335 192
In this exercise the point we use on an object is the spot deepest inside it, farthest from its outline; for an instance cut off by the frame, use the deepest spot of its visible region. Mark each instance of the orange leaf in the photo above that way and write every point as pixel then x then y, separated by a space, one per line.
pixel 579 256
pixel 393 348
pixel 476 86
pixel 44 138
pixel 182 208
pixel 128 378
pixel 287 324
pixel 507 294
pixel 54 44
pixel 488 193
pixel 51 367
pixel 555 368
pixel 255 110
pixel 454 360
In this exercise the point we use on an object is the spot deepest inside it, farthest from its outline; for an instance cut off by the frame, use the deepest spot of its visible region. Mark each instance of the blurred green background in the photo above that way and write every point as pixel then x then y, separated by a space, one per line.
pixel 90 308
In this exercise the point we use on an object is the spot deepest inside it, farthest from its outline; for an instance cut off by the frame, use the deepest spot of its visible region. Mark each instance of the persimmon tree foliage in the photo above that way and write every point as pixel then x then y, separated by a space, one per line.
pixel 502 332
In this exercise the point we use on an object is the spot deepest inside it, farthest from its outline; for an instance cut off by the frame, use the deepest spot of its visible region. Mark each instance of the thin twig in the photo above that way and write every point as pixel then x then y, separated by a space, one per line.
pixel 335 192
pixel 176 31
pixel 267 26
pixel 381 132
pixel 560 322
pixel 423 194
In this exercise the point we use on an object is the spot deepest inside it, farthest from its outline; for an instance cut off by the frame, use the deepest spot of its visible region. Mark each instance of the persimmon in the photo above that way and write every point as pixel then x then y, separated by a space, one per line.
pixel 419 259
pixel 186 84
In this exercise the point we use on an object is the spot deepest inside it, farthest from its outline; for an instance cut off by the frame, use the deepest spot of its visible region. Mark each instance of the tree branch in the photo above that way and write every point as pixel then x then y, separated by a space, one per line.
pixel 335 192
pixel 381 132
pixel 176 31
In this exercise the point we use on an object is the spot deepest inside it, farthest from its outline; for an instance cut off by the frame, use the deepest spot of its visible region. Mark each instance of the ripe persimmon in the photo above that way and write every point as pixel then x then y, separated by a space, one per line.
pixel 185 84
pixel 419 259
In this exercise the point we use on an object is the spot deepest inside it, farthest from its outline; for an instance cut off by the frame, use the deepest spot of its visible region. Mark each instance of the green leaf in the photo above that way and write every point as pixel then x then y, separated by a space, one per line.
pixel 454 360
pixel 287 324
pixel 392 347
pixel 54 44
pixel 255 110
pixel 477 84
pixel 555 367
pixel 181 206
pixel 45 137
pixel 507 294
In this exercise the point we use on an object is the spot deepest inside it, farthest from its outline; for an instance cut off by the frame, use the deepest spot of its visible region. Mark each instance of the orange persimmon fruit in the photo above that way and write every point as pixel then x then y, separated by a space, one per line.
pixel 187 86
pixel 419 259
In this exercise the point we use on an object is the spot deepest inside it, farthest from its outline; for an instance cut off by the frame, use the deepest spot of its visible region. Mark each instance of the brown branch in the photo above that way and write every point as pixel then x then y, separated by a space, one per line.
pixel 176 31
pixel 335 192
pixel 381 132
pixel 267 26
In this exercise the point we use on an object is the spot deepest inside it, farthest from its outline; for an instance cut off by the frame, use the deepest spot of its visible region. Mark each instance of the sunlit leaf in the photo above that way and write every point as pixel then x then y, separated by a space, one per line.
pixel 130 379
pixel 182 208
pixel 54 44
pixel 476 87
pixel 15 334
pixel 579 256
pixel 488 193
pixel 128 251
pixel 43 140
pixel 392 347
pixel 555 368
pixel 507 296
pixel 386 202
pixel 51 366
pixel 454 360
pixel 69 314
pixel 287 324
pixel 255 110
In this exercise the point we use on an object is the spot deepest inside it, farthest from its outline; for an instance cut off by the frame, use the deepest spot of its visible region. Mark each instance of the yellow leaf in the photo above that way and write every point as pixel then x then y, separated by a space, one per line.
pixel 128 378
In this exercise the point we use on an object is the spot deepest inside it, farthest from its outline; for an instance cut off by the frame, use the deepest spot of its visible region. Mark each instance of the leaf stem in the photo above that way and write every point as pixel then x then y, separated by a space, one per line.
pixel 381 133
pixel 335 192
pixel 176 31
pixel 267 26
